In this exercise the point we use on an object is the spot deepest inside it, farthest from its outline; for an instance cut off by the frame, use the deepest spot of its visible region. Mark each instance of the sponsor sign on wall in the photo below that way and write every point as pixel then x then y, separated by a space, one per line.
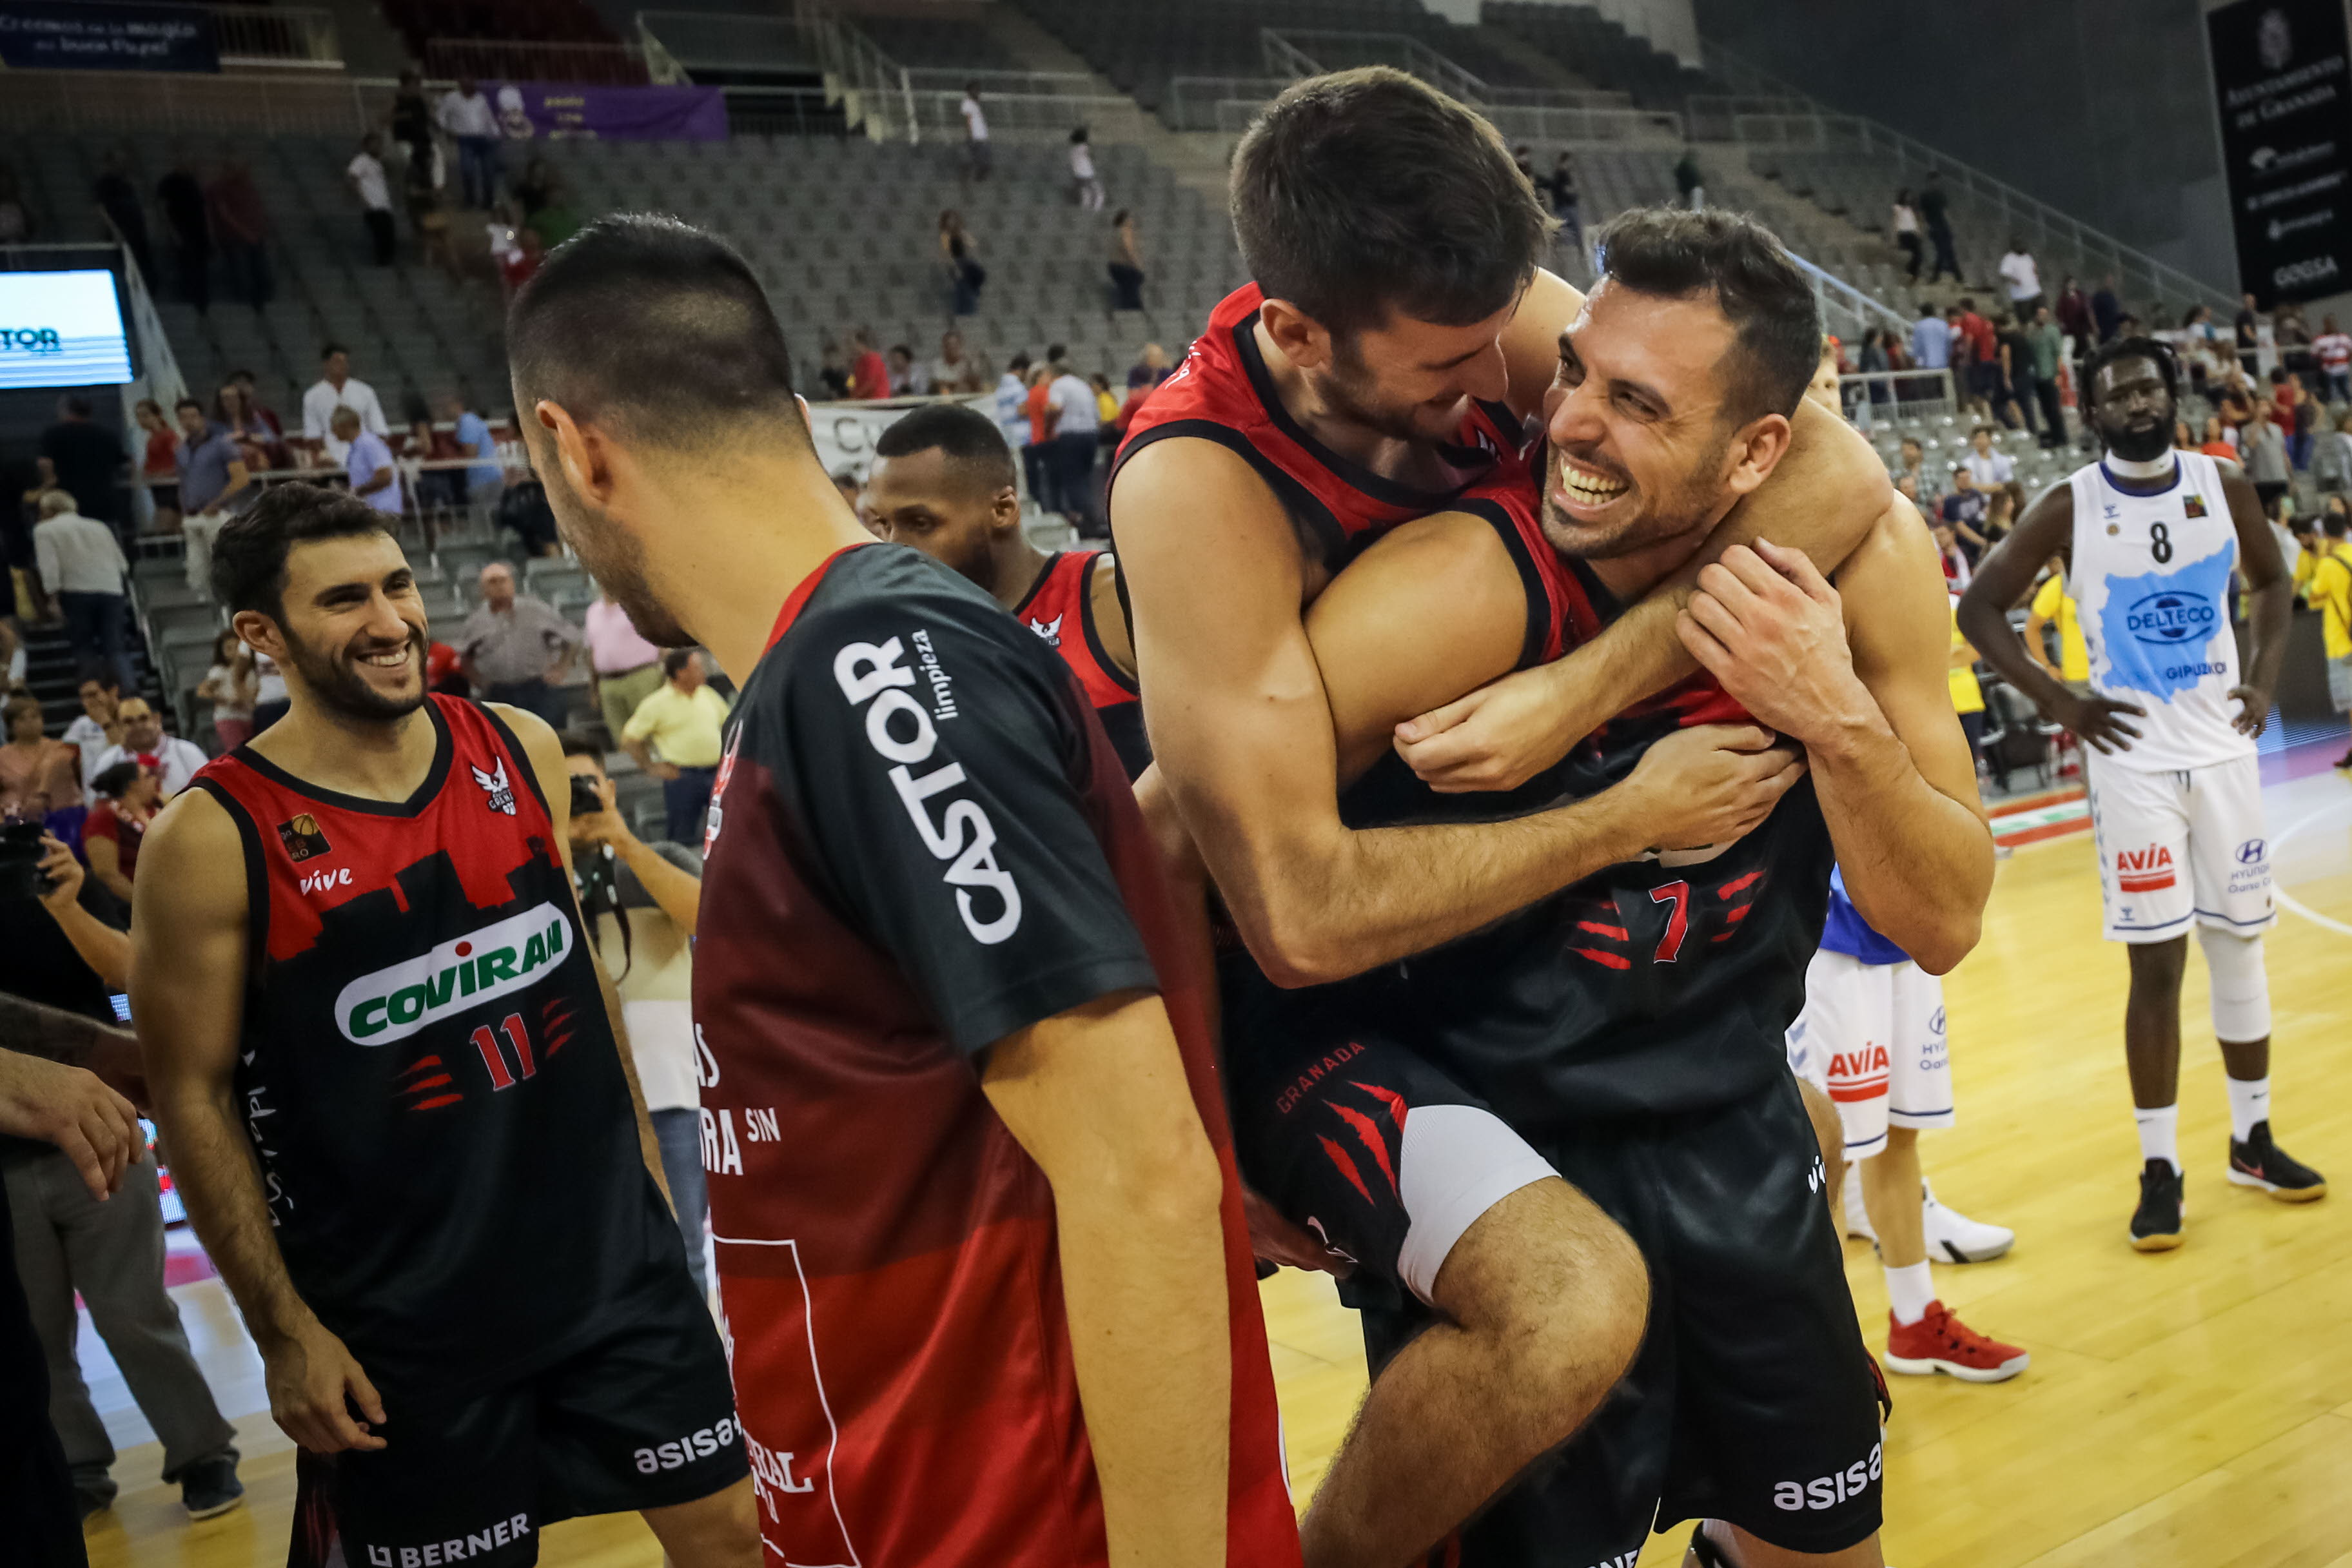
pixel 2283 92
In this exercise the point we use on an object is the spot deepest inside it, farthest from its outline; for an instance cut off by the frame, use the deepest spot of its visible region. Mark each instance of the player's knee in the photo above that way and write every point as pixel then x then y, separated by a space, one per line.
pixel 2157 966
pixel 1558 1290
pixel 2241 990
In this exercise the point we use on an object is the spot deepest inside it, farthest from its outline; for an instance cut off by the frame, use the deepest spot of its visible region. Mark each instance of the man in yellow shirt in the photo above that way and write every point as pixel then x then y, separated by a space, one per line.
pixel 674 735
pixel 2331 591
pixel 1968 696
pixel 2052 602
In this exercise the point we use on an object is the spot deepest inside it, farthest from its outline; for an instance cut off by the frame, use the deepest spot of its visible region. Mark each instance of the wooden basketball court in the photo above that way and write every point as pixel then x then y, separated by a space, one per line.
pixel 2190 1409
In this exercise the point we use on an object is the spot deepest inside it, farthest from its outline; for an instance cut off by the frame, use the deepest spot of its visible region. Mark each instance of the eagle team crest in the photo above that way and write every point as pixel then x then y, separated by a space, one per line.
pixel 495 785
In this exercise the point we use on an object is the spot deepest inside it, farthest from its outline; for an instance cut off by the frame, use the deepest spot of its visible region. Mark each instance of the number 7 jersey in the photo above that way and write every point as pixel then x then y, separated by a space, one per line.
pixel 2150 579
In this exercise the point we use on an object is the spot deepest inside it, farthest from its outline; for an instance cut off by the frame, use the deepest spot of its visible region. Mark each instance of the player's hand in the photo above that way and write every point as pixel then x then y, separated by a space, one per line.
pixel 2094 718
pixel 1708 784
pixel 63 871
pixel 1768 625
pixel 1497 737
pixel 69 1107
pixel 1277 1240
pixel 314 1385
pixel 2253 709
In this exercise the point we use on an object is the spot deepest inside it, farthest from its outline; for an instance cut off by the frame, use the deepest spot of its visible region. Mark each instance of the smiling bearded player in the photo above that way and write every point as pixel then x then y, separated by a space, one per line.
pixel 1630 1030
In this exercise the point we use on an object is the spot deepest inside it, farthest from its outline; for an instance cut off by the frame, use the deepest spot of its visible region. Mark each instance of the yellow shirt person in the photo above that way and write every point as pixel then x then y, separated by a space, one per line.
pixel 2331 595
pixel 1967 695
pixel 680 721
pixel 2052 602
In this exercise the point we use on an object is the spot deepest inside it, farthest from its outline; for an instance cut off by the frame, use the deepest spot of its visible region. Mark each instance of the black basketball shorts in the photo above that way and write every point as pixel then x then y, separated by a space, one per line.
pixel 643 1417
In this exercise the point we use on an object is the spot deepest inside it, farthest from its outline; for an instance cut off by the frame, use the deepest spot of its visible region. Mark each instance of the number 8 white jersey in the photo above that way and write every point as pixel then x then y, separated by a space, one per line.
pixel 2151 581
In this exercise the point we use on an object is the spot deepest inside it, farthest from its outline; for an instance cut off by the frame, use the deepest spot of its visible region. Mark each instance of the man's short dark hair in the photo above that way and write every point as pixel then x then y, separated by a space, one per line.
pixel 673 660
pixel 74 406
pixel 248 571
pixel 2115 350
pixel 576 744
pixel 961 432
pixel 653 324
pixel 187 402
pixel 2335 524
pixel 1366 192
pixel 112 782
pixel 331 350
pixel 1776 320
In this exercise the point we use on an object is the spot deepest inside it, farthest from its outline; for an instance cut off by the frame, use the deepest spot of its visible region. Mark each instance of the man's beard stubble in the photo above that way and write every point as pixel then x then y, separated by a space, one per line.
pixel 615 559
pixel 1661 517
pixel 343 689
pixel 2140 446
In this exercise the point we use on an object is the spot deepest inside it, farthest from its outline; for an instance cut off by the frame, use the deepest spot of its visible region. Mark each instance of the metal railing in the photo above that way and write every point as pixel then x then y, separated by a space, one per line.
pixel 1562 123
pixel 1712 115
pixel 516 59
pixel 1869 396
pixel 871 90
pixel 993 84
pixel 782 111
pixel 77 101
pixel 1531 114
pixel 1198 103
pixel 1846 309
pixel 1816 127
pixel 291 36
pixel 1283 58
pixel 1031 117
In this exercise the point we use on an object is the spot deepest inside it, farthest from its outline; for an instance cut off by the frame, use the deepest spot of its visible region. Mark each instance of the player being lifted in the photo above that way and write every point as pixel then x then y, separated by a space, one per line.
pixel 2151 536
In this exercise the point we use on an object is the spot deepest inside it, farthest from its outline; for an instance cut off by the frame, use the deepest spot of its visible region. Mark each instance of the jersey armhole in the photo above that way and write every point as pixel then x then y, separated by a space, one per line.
pixel 1111 672
pixel 520 758
pixel 1296 498
pixel 256 879
pixel 1540 643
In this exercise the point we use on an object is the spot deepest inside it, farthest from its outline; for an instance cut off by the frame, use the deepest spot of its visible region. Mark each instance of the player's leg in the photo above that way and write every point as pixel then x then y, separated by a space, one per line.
pixel 1720 1545
pixel 721 1531
pixel 2152 1057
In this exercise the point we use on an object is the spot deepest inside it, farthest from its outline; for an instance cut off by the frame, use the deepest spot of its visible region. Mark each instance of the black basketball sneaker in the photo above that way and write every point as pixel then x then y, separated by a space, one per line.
pixel 2259 1163
pixel 2156 1223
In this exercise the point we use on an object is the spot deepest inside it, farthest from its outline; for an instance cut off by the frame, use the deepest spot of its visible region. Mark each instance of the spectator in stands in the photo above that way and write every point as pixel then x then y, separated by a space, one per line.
pixel 553 216
pixel 229 686
pixel 1125 263
pixel 266 416
pixel 1037 454
pixel 420 192
pixel 1689 182
pixel 831 373
pixel 1928 484
pixel 1931 342
pixel 2217 439
pixel 368 464
pixel 485 481
pixel 2249 330
pixel 515 649
pixel 338 388
pixel 2107 308
pixel 2045 345
pixel 95 728
pixel 1988 469
pixel 81 562
pixel 904 380
pixel 429 488
pixel 1151 368
pixel 172 760
pixel 2016 359
pixel 952 372
pixel 214 476
pixel 1905 227
pixel 523 511
pixel 1957 571
pixel 977 160
pixel 240 224
pixel 88 459
pixel 869 374
pixel 521 264
pixel 1523 158
pixel 252 427
pixel 1560 186
pixel 1963 510
pixel 624 668
pixel 960 255
pixel 641 902
pixel 2022 276
pixel 2075 315
pixel 1984 356
pixel 674 736
pixel 2264 444
pixel 411 118
pixel 1074 418
pixel 365 174
pixel 2305 421
pixel 1012 390
pixel 1935 211
pixel 183 200
pixel 159 464
pixel 1873 360
pixel 118 198
pixel 123 804
pixel 466 113
pixel 1086 186
pixel 38 776
pixel 2332 349
pixel 536 188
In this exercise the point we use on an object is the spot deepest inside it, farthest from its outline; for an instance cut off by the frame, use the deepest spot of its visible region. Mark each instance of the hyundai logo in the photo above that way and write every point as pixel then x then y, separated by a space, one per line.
pixel 2252 850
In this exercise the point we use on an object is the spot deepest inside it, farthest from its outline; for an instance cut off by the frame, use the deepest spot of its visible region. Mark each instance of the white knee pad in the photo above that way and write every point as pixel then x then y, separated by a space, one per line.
pixel 2242 991
pixel 1454 1163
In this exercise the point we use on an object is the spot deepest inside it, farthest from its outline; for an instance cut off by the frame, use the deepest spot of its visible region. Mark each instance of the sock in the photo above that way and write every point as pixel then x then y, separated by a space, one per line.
pixel 2250 1101
pixel 2159 1131
pixel 1909 1291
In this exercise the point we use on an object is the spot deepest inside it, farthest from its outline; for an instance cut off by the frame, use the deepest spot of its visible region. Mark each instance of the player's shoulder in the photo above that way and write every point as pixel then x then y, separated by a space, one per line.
pixel 191 851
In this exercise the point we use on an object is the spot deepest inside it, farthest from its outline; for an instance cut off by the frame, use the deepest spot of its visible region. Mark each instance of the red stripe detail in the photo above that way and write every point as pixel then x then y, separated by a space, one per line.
pixel 798 599
pixel 420 1064
pixel 1368 1135
pixel 1737 884
pixel 2146 884
pixel 1387 1097
pixel 1736 916
pixel 1347 1166
pixel 437 1102
pixel 1874 1089
pixel 1607 960
pixel 1597 929
pixel 433 1082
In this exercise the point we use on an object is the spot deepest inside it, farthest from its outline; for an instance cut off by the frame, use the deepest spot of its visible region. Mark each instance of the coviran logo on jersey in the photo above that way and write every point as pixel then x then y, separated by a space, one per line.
pixel 394 1004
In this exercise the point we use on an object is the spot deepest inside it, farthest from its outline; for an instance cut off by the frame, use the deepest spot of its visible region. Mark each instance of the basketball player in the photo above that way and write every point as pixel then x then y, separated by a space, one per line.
pixel 943 482
pixel 1399 333
pixel 397 1100
pixel 1630 1030
pixel 977 1234
pixel 2151 536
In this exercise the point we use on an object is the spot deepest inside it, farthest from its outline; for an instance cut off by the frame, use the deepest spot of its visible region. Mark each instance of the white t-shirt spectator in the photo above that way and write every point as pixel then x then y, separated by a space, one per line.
pixel 2332 349
pixel 975 123
pixel 2024 277
pixel 367 174
pixel 513 117
pixel 1081 414
pixel 369 456
pixel 1082 161
pixel 460 115
pixel 270 684
pixel 1010 418
pixel 174 760
pixel 318 406
pixel 1989 472
pixel 87 736
pixel 78 554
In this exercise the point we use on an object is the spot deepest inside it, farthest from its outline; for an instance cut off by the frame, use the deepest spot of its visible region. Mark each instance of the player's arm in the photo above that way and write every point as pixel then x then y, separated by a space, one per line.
pixel 545 753
pixel 2046 528
pixel 1860 673
pixel 2037 645
pixel 187 992
pixel 2270 598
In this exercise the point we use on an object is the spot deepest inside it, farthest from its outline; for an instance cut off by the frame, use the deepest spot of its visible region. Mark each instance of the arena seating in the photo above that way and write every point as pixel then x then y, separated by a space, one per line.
pixel 1582 39
pixel 938 43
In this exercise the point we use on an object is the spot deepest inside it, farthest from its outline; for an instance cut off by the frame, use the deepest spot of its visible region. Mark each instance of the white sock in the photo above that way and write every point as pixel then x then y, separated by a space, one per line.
pixel 1910 1291
pixel 2250 1101
pixel 2159 1132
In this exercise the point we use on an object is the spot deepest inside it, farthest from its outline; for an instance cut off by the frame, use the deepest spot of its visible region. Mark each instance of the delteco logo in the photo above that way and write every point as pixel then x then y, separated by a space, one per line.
pixel 30 341
pixel 2170 617
pixel 392 1003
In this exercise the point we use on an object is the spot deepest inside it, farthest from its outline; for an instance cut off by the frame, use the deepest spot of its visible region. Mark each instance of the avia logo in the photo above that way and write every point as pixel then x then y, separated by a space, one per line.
pixel 2253 851
pixel 495 785
pixel 2145 870
pixel 2169 617
pixel 507 955
pixel 1858 1075
pixel 1050 630
pixel 319 881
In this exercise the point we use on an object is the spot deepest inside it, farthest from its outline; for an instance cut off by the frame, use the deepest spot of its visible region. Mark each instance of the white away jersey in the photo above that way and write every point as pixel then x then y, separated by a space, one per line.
pixel 2151 580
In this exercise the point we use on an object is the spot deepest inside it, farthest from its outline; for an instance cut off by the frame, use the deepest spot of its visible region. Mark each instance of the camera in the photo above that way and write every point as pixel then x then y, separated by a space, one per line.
pixel 20 861
pixel 586 797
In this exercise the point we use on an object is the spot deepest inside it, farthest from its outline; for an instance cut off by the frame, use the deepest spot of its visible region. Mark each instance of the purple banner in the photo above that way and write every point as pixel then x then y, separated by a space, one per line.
pixel 528 110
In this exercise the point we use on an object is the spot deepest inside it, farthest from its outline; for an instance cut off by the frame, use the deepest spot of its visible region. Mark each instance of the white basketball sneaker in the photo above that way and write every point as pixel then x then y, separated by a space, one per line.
pixel 1953 1236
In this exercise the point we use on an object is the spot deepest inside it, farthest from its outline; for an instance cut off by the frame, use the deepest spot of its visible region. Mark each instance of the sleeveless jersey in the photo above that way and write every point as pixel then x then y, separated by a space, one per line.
pixel 427 1073
pixel 1060 609
pixel 2150 581
pixel 1223 392
pixel 1655 986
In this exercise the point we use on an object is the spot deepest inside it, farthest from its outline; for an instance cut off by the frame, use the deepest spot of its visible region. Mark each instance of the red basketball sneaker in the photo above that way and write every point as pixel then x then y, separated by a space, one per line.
pixel 1941 1343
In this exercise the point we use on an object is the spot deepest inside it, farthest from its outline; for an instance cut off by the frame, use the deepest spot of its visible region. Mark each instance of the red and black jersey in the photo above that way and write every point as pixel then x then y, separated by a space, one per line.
pixel 1657 985
pixel 1060 609
pixel 923 842
pixel 1223 391
pixel 427 1072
